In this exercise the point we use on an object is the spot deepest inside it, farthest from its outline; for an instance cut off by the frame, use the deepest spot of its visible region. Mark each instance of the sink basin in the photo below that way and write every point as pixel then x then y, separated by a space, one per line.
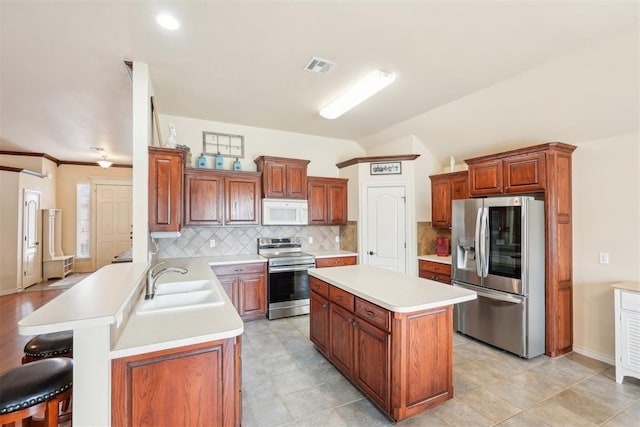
pixel 181 300
pixel 186 286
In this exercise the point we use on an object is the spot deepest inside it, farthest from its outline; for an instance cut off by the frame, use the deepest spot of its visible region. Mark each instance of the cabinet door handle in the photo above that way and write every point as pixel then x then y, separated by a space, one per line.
pixel 325 305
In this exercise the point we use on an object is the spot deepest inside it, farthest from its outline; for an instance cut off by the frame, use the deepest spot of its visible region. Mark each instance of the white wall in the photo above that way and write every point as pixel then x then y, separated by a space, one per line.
pixel 142 137
pixel 423 166
pixel 606 212
pixel 9 232
pixel 323 152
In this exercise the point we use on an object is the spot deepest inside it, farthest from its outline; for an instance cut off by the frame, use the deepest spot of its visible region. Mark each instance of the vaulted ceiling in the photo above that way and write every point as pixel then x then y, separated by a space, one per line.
pixel 470 74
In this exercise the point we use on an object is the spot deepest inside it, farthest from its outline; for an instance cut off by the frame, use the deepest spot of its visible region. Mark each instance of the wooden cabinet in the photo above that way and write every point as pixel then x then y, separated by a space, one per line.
pixel 544 168
pixel 434 271
pixel 445 188
pixel 192 385
pixel 283 178
pixel 401 361
pixel 319 324
pixel 246 285
pixel 221 197
pixel 336 261
pixel 627 327
pixel 166 169
pixel 513 174
pixel 327 201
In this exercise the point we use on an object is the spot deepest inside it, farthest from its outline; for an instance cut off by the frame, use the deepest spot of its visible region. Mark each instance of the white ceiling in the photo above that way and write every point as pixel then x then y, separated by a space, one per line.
pixel 465 70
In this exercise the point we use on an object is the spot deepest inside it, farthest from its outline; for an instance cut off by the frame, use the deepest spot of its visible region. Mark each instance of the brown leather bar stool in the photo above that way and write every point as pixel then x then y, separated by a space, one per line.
pixel 56 344
pixel 34 388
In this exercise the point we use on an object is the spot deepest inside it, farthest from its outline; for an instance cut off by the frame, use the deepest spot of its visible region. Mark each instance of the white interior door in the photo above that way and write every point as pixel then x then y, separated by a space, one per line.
pixel 386 228
pixel 31 267
pixel 113 222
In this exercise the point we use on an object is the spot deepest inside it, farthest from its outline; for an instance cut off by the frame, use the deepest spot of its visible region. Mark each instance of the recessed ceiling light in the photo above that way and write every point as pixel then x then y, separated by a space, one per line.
pixel 168 22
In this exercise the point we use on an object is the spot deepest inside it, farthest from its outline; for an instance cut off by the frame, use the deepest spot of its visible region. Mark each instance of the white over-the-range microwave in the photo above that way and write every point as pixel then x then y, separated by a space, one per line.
pixel 284 212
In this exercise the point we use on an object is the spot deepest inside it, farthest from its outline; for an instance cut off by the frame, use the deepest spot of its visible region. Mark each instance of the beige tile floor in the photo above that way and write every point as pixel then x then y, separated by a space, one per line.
pixel 286 382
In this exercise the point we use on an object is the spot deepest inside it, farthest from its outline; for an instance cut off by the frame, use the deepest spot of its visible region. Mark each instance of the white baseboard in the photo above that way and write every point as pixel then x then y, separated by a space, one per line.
pixel 10 291
pixel 611 360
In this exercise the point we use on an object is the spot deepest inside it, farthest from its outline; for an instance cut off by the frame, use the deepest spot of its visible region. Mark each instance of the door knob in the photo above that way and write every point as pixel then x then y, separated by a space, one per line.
pixel 371 253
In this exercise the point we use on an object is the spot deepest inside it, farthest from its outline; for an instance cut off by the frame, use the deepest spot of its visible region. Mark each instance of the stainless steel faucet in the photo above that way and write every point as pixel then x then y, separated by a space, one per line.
pixel 152 276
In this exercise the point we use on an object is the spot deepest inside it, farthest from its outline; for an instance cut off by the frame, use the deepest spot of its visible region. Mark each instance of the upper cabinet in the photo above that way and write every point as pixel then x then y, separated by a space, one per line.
pixel 166 168
pixel 214 197
pixel 445 188
pixel 283 178
pixel 327 201
pixel 515 173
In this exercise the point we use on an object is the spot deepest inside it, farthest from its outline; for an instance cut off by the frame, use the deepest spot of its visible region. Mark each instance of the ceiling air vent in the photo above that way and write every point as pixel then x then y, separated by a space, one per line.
pixel 319 65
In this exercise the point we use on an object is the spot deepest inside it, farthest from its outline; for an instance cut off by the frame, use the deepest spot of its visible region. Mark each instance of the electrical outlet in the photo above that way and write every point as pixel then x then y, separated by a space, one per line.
pixel 604 258
pixel 337 239
pixel 310 240
pixel 212 243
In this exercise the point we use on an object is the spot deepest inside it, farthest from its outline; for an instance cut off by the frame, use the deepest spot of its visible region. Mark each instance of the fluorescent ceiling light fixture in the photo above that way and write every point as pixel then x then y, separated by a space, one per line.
pixel 370 85
pixel 104 163
pixel 168 22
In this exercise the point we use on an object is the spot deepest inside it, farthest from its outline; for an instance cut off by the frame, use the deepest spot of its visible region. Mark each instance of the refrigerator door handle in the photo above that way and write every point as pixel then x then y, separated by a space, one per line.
pixel 478 243
pixel 491 295
pixel 484 231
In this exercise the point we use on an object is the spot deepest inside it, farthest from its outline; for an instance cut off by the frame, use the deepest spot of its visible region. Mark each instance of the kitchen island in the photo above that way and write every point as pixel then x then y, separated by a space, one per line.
pixel 121 357
pixel 389 333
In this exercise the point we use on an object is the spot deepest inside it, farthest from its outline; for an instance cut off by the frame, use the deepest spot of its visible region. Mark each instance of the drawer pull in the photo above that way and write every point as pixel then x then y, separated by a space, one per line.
pixel 316 286
pixel 338 297
pixel 371 313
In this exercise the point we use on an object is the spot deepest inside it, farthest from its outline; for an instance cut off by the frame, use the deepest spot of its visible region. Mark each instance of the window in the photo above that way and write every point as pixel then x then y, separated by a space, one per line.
pixel 83 234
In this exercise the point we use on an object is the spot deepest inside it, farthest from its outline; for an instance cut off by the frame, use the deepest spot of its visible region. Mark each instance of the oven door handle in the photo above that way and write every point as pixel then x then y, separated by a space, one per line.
pixel 289 268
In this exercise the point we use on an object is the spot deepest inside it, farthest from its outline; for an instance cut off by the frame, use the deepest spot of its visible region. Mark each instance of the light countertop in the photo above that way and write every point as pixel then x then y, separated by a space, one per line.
pixel 332 254
pixel 99 299
pixel 394 291
pixel 436 258
pixel 108 297
pixel 151 332
pixel 627 286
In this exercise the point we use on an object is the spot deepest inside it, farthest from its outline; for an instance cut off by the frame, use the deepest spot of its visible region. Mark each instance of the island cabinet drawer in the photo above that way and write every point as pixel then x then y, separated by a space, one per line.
pixel 342 298
pixel 224 270
pixel 373 314
pixel 336 261
pixel 319 287
pixel 630 301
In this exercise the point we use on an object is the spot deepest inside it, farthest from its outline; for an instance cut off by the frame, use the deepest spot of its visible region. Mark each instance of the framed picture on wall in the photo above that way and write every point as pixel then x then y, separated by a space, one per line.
pixel 386 168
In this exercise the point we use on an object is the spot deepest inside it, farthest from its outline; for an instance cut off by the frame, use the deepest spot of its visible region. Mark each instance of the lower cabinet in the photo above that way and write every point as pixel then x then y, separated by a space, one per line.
pixel 246 286
pixel 336 261
pixel 627 331
pixel 359 338
pixel 197 385
pixel 434 271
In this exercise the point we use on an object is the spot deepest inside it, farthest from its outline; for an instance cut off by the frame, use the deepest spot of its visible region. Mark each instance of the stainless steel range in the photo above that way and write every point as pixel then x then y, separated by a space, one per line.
pixel 288 281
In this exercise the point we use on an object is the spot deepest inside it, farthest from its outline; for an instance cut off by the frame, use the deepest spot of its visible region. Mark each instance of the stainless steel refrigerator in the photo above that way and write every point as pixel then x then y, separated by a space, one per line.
pixel 498 252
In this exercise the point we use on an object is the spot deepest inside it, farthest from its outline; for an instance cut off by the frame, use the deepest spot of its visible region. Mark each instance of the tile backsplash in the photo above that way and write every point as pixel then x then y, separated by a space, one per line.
pixel 427 237
pixel 243 240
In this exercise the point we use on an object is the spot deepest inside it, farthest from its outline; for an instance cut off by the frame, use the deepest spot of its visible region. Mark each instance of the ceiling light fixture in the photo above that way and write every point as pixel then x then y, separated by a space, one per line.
pixel 104 163
pixel 371 84
pixel 167 21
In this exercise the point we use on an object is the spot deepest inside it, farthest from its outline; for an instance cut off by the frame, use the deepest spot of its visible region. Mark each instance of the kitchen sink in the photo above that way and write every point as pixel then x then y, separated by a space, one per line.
pixel 184 286
pixel 181 296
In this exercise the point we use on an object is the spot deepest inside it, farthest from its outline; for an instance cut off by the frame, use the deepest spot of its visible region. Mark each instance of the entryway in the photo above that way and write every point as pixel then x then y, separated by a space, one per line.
pixel 113 222
pixel 31 267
